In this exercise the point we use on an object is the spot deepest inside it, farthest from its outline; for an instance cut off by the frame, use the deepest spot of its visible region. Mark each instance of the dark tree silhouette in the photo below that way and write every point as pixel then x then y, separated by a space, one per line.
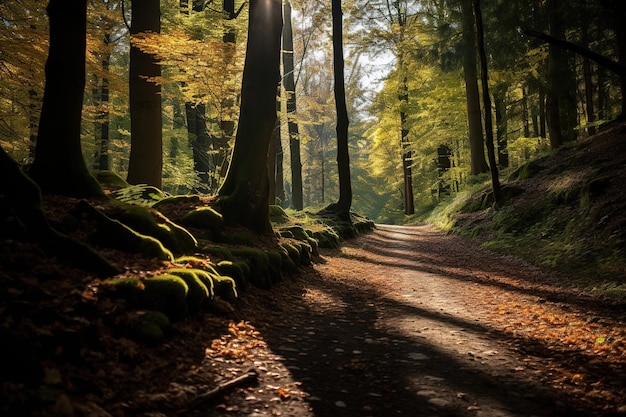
pixel 59 167
pixel 243 198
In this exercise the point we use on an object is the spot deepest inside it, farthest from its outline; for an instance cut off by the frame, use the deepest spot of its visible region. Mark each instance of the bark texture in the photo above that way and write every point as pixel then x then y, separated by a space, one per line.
pixel 243 198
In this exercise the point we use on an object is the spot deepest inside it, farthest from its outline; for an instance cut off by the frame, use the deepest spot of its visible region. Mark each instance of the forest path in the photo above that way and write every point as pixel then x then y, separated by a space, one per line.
pixel 409 321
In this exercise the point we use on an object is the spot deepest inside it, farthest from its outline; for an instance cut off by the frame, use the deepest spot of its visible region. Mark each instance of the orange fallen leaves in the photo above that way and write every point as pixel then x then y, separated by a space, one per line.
pixel 238 343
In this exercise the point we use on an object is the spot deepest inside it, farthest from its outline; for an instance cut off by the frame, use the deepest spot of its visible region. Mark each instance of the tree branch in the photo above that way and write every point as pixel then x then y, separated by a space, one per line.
pixel 611 65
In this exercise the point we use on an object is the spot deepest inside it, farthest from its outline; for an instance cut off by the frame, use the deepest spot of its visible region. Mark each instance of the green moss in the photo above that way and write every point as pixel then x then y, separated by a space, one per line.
pixel 164 293
pixel 293 252
pixel 167 294
pixel 278 214
pixel 177 199
pixel 259 264
pixel 219 252
pixel 149 333
pixel 297 232
pixel 275 265
pixel 203 218
pixel 198 293
pixel 238 237
pixel 234 270
pixel 152 328
pixel 327 238
pixel 110 179
pixel 225 287
pixel 117 235
pixel 528 170
pixel 150 222
pixel 287 264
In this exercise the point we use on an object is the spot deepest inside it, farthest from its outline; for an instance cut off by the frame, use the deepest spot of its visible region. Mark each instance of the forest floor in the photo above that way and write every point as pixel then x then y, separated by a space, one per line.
pixel 410 321
pixel 401 321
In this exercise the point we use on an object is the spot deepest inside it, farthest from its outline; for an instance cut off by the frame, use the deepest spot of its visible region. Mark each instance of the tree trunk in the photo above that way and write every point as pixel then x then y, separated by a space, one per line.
pixel 146 149
pixel 59 167
pixel 407 156
pixel 499 97
pixel 587 77
pixel 290 89
pixel 342 208
pixel 199 142
pixel 495 181
pixel 273 151
pixel 102 124
pixel 243 198
pixel 477 147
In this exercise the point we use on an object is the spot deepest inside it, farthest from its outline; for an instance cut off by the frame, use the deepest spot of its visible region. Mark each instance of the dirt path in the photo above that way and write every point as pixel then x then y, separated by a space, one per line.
pixel 409 321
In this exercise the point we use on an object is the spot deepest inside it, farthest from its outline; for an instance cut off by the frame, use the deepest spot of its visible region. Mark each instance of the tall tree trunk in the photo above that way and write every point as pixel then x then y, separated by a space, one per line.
pixel 499 97
pixel 587 77
pixel 474 119
pixel 342 207
pixel 59 167
pixel 199 142
pixel 102 124
pixel 243 197
pixel 33 119
pixel 618 9
pixel 279 173
pixel 272 154
pixel 495 181
pixel 290 89
pixel 146 149
pixel 407 155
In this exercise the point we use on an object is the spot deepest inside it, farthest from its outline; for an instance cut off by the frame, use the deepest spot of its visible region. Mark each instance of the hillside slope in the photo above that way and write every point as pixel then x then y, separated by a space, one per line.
pixel 566 211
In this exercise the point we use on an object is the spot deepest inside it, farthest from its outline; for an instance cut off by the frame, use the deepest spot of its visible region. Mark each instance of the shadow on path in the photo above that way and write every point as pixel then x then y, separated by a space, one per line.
pixel 358 350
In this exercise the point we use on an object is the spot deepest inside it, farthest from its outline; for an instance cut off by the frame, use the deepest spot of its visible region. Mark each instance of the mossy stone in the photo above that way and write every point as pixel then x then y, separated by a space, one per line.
pixel 198 293
pixel 259 265
pixel 218 252
pixel 203 218
pixel 287 264
pixel 167 294
pixel 234 270
pixel 278 214
pixel 294 253
pixel 275 265
pixel 150 222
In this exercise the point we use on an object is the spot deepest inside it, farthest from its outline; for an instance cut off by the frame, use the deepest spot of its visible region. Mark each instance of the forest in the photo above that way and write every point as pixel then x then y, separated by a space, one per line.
pixel 163 161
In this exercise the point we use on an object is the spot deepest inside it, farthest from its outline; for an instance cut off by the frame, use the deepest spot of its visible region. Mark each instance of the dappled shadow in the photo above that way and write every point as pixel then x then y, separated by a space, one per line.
pixel 352 364
pixel 428 253
pixel 359 352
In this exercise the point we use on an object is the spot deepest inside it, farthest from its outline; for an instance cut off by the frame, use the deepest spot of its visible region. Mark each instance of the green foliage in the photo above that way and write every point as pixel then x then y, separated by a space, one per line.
pixel 142 194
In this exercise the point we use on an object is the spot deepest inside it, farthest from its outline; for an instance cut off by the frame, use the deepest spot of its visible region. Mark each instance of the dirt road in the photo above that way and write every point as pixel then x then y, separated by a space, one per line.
pixel 407 321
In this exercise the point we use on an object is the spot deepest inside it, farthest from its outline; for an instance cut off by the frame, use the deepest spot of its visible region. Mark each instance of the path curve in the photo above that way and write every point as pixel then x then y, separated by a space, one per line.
pixel 407 321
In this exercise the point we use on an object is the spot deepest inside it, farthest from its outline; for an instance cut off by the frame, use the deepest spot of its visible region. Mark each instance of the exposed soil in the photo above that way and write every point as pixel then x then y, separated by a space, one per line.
pixel 409 321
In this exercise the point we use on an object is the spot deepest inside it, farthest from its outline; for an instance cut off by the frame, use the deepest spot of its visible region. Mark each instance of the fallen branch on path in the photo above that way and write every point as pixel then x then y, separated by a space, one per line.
pixel 249 376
